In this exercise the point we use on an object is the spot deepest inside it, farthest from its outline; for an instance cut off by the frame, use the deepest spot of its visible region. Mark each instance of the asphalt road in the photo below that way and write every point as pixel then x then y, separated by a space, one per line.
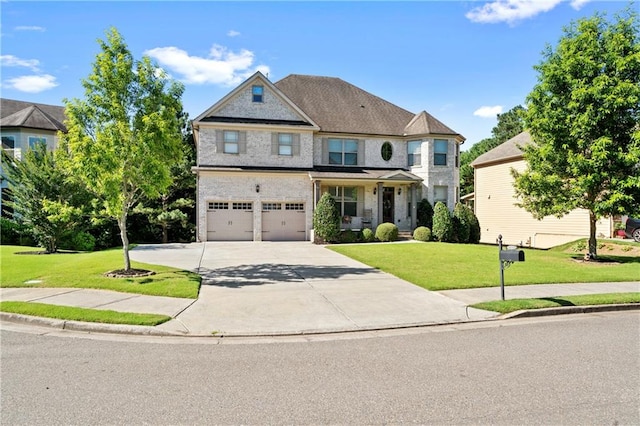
pixel 571 369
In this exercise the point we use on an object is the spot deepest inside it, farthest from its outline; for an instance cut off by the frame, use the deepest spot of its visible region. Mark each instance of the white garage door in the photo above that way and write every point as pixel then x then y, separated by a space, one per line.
pixel 229 221
pixel 283 222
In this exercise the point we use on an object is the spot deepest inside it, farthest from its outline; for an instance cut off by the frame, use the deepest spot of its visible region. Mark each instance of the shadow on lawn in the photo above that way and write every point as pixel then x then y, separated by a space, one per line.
pixel 270 273
pixel 561 302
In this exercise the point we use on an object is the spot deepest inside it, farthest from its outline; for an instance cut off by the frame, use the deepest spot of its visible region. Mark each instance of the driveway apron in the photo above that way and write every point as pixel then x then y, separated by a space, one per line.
pixel 295 287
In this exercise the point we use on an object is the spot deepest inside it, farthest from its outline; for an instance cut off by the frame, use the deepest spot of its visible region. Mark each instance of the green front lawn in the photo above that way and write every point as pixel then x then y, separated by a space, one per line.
pixel 85 270
pixel 443 266
pixel 512 305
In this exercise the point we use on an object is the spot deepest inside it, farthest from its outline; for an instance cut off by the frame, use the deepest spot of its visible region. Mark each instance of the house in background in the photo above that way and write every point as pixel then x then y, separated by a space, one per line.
pixel 267 151
pixel 25 124
pixel 494 198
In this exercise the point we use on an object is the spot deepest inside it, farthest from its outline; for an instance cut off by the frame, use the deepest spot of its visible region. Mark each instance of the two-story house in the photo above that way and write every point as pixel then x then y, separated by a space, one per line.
pixel 267 151
pixel 23 125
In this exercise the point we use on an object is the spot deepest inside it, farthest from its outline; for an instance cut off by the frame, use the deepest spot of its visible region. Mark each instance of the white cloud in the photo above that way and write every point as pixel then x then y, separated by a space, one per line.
pixel 577 4
pixel 488 111
pixel 32 83
pixel 14 61
pixel 234 33
pixel 30 28
pixel 220 67
pixel 511 11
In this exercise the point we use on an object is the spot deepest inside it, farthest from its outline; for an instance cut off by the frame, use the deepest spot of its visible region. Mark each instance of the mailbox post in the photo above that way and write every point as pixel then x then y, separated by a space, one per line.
pixel 507 257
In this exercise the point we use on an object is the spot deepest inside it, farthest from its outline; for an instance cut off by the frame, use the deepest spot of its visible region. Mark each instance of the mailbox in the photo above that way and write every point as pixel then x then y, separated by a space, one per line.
pixel 511 255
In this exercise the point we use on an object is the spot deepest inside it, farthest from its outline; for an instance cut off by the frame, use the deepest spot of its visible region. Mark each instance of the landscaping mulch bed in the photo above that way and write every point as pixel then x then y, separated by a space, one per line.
pixel 131 273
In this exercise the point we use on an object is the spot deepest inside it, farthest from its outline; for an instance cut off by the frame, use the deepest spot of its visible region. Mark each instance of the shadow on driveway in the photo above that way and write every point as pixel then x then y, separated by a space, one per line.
pixel 273 273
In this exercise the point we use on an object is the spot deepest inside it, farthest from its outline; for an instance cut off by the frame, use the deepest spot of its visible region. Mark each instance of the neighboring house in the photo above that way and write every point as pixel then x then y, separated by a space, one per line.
pixel 267 151
pixel 497 213
pixel 25 124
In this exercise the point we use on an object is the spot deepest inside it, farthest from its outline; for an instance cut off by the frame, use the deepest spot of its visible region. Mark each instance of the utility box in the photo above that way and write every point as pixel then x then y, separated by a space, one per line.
pixel 511 255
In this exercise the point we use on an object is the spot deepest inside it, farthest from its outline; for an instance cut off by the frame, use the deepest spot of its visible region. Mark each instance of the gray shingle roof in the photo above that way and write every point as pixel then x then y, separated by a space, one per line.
pixel 33 115
pixel 509 150
pixel 341 107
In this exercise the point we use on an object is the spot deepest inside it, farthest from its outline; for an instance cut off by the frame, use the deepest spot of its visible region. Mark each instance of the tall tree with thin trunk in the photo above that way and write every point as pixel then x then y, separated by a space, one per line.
pixel 125 134
pixel 583 116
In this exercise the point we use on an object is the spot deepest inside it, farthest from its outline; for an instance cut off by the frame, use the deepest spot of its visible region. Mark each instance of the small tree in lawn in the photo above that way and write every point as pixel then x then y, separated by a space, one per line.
pixel 442 224
pixel 124 136
pixel 583 117
pixel 326 219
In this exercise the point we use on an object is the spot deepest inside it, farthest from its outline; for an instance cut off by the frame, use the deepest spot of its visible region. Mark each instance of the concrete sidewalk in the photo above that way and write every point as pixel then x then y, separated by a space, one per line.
pixel 291 288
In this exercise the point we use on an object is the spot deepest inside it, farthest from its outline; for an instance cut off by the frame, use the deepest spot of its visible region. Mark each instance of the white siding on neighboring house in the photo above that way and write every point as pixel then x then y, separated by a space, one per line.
pixel 497 213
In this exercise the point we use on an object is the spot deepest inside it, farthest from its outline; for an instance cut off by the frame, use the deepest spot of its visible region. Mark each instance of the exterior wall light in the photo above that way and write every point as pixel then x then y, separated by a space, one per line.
pixel 258 187
pixel 399 191
pixel 375 190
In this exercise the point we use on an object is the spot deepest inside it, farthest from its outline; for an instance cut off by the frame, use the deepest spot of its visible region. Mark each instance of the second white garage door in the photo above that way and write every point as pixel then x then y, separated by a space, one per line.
pixel 283 222
pixel 229 221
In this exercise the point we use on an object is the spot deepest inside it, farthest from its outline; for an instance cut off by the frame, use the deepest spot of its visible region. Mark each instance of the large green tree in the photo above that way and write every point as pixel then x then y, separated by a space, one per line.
pixel 583 116
pixel 44 196
pixel 509 124
pixel 125 135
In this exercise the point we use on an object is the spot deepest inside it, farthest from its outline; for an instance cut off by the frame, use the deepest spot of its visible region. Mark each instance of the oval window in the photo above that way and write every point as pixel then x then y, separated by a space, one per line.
pixel 386 151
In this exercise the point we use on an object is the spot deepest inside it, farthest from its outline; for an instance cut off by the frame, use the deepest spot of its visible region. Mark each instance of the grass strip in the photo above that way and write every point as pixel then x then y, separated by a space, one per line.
pixel 86 270
pixel 507 306
pixel 72 313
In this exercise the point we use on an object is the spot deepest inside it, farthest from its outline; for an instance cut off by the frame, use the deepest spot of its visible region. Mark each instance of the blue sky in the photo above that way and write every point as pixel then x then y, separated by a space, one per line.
pixel 462 61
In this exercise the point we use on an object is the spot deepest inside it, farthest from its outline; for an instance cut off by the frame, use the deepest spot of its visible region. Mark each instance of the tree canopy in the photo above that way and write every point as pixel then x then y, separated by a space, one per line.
pixel 124 136
pixel 583 116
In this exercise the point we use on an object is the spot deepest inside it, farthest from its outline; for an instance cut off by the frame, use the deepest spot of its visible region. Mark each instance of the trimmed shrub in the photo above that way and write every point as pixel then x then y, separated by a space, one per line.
pixel 15 233
pixel 387 232
pixel 462 227
pixel 368 235
pixel 442 224
pixel 425 213
pixel 422 233
pixel 474 226
pixel 83 241
pixel 326 219
pixel 348 236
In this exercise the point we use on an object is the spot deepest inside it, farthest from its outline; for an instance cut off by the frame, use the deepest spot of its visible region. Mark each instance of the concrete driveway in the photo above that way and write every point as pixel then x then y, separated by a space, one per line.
pixel 295 287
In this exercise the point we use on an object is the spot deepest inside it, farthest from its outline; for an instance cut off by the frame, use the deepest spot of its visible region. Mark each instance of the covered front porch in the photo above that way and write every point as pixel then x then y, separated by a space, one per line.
pixel 369 197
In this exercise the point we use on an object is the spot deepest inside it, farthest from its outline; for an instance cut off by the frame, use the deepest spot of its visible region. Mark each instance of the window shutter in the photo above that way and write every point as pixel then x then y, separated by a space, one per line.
pixel 219 141
pixel 325 151
pixel 360 201
pixel 360 153
pixel 295 148
pixel 242 142
pixel 274 144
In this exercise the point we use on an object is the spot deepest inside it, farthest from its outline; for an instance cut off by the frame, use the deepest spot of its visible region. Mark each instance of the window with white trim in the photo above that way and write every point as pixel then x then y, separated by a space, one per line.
pixel 9 145
pixel 218 206
pixel 294 206
pixel 242 206
pixel 414 153
pixel 440 193
pixel 440 149
pixel 271 206
pixel 257 93
pixel 346 198
pixel 35 140
pixel 343 152
pixel 231 139
pixel 285 144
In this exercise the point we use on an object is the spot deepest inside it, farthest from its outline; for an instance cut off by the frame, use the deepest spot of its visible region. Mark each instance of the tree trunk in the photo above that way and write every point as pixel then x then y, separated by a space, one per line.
pixel 593 244
pixel 122 223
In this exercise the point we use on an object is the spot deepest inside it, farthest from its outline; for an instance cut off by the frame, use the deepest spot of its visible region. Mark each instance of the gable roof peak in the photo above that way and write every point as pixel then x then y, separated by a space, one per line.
pixel 424 123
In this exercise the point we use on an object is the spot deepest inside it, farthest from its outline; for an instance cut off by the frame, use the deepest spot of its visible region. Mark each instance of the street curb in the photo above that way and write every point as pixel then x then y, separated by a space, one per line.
pixel 152 331
pixel 562 310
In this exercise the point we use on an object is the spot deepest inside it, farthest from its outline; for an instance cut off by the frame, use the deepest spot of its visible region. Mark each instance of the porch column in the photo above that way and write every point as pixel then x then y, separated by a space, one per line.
pixel 316 190
pixel 414 206
pixel 380 189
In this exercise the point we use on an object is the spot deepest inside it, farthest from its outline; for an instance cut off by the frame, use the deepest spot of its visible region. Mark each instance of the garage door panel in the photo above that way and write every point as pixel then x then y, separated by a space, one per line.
pixel 283 222
pixel 230 221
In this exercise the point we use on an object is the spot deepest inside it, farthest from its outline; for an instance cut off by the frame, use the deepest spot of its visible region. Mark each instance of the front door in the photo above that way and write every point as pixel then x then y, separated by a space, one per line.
pixel 387 204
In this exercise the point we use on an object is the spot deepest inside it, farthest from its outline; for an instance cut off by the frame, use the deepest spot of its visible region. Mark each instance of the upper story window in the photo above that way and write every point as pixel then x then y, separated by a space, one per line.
pixel 9 145
pixel 457 155
pixel 343 152
pixel 285 144
pixel 231 139
pixel 386 151
pixel 35 140
pixel 257 93
pixel 440 149
pixel 414 153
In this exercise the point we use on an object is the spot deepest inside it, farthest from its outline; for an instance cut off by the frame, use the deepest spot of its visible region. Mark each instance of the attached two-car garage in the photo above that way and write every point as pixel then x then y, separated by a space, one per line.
pixel 234 221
